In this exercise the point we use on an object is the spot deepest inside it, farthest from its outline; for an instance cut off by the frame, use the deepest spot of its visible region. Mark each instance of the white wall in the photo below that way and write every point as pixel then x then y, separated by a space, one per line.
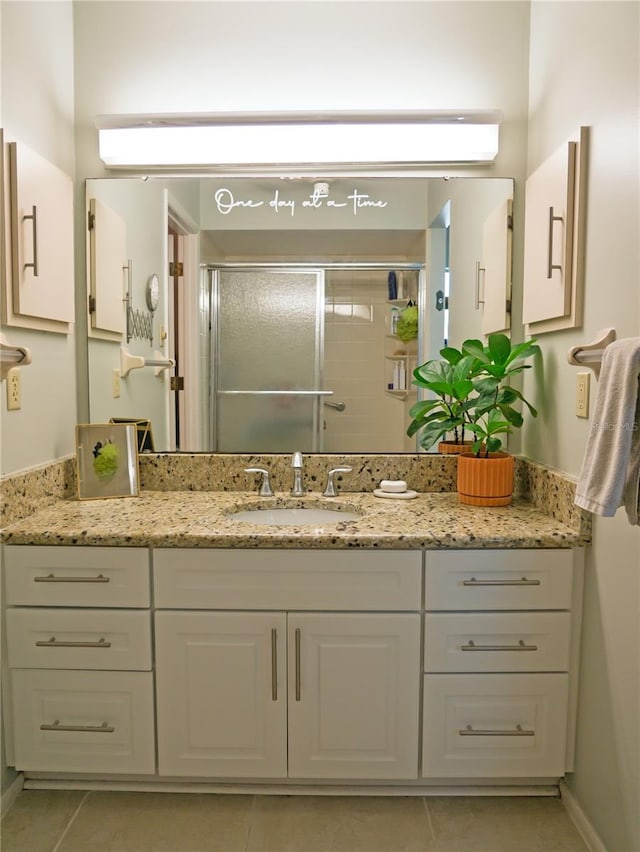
pixel 148 57
pixel 37 109
pixel 584 70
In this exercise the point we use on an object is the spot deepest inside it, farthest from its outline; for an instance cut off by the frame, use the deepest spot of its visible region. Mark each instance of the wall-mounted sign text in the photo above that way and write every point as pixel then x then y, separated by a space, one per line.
pixel 226 202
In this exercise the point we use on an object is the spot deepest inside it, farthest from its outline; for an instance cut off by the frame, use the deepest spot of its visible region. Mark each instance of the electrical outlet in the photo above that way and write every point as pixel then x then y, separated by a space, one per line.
pixel 582 394
pixel 115 386
pixel 14 390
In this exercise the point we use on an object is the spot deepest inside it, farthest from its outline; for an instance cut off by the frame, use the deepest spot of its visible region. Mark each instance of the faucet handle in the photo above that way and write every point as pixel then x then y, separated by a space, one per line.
pixel 265 485
pixel 330 490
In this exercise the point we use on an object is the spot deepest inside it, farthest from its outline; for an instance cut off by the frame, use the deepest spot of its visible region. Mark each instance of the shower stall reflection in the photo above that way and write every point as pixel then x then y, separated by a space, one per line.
pixel 300 360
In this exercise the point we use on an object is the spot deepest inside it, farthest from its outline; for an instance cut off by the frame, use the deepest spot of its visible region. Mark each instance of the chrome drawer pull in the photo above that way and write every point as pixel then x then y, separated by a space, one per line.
pixel 521 582
pixel 521 646
pixel 274 664
pixel 55 643
pixel 50 578
pixel 517 732
pixel 297 649
pixel 104 728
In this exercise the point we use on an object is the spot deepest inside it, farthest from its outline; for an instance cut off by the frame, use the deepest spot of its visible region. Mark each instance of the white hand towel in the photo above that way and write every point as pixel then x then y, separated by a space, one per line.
pixel 610 474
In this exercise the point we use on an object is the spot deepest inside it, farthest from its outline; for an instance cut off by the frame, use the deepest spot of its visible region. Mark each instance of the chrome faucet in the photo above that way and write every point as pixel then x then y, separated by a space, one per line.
pixel 297 489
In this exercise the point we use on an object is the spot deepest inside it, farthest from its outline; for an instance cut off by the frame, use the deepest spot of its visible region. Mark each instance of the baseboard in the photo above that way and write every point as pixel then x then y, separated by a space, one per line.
pixel 581 820
pixel 11 794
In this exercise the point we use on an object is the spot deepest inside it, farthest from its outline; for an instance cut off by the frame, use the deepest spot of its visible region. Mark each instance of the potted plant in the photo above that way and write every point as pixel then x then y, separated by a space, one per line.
pixel 485 475
pixel 449 410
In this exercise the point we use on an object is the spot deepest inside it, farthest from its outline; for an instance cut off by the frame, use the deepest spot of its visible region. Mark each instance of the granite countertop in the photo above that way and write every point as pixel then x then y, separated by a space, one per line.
pixel 202 519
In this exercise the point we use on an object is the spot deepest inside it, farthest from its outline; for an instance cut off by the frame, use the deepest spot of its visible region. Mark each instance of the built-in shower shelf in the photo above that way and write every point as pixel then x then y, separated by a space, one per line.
pixel 399 394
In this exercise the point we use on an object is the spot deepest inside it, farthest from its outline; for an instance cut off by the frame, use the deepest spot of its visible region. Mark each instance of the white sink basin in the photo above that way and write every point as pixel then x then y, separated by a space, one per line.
pixel 294 517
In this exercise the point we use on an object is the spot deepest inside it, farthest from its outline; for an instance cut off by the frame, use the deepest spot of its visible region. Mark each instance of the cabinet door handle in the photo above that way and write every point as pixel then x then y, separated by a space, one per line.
pixel 297 640
pixel 34 226
pixel 521 646
pixel 104 728
pixel 50 578
pixel 522 582
pixel 550 264
pixel 274 664
pixel 479 269
pixel 518 731
pixel 55 643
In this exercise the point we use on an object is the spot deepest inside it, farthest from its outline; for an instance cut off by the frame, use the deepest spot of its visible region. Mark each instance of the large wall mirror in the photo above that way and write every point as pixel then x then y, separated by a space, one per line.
pixel 271 314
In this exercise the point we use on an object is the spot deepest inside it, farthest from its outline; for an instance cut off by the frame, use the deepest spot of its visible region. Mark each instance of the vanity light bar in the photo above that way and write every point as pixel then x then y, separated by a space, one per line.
pixel 240 139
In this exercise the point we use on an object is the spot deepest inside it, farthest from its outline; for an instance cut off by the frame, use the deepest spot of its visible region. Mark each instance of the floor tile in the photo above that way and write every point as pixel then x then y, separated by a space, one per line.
pixel 160 822
pixel 37 819
pixel 505 824
pixel 340 824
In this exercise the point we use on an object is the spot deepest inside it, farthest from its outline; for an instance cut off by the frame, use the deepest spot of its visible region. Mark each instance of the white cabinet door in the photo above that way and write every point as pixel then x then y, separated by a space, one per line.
pixel 41 203
pixel 548 237
pixel 496 262
pixel 107 264
pixel 221 694
pixel 353 695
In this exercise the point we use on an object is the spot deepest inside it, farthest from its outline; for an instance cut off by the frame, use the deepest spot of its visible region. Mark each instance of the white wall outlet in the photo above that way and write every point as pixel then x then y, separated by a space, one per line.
pixel 582 394
pixel 14 390
pixel 115 384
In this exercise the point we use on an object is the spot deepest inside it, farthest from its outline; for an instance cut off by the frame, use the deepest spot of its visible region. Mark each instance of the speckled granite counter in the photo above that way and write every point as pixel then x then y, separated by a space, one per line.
pixel 202 519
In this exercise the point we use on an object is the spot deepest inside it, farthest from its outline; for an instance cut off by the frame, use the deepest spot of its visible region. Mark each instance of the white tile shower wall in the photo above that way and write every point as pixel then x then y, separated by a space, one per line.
pixel 356 322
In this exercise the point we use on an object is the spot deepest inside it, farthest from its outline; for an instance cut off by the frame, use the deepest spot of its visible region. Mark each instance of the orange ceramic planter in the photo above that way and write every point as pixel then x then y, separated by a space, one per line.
pixel 450 447
pixel 485 481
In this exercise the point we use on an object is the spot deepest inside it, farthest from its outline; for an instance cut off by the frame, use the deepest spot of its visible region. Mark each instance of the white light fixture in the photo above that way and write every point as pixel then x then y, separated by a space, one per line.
pixel 296 139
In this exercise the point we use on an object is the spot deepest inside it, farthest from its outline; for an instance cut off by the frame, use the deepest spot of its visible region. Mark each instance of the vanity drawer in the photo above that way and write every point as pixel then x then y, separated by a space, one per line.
pixel 287 579
pixel 497 642
pixel 498 726
pixel 83 721
pixel 77 576
pixel 498 579
pixel 79 639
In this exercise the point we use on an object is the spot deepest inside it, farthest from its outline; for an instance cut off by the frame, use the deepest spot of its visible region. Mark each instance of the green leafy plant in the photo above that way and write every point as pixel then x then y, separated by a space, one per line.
pixel 449 410
pixel 491 410
pixel 471 392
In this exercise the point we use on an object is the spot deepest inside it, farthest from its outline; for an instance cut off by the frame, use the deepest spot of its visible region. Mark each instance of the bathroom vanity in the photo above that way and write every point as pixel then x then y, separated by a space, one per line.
pixel 157 639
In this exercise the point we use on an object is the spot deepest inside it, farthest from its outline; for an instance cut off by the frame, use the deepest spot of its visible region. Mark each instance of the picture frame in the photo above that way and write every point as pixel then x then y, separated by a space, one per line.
pixel 107 460
pixel 144 432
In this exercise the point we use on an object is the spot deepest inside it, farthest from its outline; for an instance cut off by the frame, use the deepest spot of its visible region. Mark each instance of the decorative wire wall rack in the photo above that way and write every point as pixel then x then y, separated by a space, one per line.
pixel 139 325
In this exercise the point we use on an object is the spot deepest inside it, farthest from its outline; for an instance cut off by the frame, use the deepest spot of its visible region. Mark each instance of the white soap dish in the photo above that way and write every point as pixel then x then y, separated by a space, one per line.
pixel 395 495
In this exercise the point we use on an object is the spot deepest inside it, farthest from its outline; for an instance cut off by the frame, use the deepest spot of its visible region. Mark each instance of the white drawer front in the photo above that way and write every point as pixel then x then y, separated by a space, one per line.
pixel 79 639
pixel 497 642
pixel 498 579
pixel 77 576
pixel 494 726
pixel 287 579
pixel 83 721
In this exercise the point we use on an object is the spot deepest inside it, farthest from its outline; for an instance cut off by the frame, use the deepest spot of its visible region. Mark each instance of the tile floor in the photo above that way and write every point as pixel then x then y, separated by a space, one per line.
pixel 77 821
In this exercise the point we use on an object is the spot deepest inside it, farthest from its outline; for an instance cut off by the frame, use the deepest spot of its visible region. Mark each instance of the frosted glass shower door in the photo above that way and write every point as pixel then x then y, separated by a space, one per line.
pixel 268 360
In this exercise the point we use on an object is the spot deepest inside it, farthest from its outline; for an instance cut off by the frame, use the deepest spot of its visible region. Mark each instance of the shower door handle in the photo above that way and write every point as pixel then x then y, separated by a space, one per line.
pixel 337 406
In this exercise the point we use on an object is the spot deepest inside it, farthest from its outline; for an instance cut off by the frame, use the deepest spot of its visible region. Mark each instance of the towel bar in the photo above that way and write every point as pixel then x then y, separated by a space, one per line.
pixel 590 354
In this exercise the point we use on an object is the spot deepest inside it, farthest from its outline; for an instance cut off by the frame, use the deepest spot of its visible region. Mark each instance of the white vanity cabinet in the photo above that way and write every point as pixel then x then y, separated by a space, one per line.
pixel 79 655
pixel 500 660
pixel 290 692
